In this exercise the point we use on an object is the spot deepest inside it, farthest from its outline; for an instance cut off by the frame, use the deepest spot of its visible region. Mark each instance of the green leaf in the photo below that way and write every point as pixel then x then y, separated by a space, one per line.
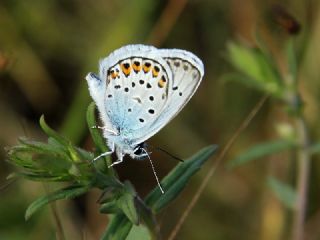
pixel 65 193
pixel 118 228
pixel 50 162
pixel 261 150
pixel 40 147
pixel 258 67
pixel 121 198
pixel 284 192
pixel 126 202
pixel 109 207
pixel 66 144
pixel 52 133
pixel 314 149
pixel 177 179
pixel 139 232
pixel 243 79
pixel 244 60
pixel 98 140
pixel 148 218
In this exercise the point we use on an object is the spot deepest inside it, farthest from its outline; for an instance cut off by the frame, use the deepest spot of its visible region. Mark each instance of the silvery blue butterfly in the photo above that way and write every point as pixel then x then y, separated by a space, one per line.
pixel 138 91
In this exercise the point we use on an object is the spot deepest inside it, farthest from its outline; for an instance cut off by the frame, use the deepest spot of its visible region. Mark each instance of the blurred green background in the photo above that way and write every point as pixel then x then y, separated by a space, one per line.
pixel 48 46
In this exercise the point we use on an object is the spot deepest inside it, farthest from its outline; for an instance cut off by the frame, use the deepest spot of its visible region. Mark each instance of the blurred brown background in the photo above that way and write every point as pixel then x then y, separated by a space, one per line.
pixel 48 46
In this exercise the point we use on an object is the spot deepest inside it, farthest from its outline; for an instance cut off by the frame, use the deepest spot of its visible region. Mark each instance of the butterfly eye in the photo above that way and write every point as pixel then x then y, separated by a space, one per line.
pixel 138 151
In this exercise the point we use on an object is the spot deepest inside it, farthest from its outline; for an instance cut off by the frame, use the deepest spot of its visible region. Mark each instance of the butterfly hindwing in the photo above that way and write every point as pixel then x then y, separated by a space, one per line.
pixel 187 72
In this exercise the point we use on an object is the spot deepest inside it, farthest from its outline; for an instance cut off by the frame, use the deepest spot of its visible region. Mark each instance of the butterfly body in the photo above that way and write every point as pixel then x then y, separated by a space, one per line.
pixel 139 90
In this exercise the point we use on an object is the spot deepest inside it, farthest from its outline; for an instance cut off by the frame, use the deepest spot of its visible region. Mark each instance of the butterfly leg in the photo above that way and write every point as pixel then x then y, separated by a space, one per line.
pixel 116 162
pixel 107 130
pixel 120 159
pixel 105 153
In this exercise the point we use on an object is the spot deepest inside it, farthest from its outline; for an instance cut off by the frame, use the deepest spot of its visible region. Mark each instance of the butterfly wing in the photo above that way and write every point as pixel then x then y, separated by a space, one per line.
pixel 140 89
pixel 133 89
pixel 97 90
pixel 187 72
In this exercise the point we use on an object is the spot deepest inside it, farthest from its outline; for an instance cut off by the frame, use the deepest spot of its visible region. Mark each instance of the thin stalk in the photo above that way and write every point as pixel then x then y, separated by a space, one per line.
pixel 166 21
pixel 56 218
pixel 302 180
pixel 213 168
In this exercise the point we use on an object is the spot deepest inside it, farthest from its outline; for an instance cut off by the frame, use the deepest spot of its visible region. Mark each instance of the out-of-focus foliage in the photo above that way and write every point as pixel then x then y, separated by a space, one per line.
pixel 46 49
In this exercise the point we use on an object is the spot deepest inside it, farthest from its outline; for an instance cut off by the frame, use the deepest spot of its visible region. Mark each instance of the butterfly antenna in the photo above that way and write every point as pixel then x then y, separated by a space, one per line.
pixel 166 152
pixel 154 171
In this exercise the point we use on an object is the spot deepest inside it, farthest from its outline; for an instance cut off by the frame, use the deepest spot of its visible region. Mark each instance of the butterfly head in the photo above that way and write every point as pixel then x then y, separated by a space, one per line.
pixel 140 151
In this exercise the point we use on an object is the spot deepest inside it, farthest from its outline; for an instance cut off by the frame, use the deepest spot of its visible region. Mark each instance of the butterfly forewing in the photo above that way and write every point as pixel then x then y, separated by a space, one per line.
pixel 137 91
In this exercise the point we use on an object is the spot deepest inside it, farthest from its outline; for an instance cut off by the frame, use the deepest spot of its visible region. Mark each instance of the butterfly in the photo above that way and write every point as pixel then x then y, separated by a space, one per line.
pixel 139 89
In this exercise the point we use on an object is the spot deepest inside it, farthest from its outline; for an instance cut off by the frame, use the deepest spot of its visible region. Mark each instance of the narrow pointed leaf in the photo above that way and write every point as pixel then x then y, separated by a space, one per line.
pixel 66 193
pixel 257 66
pixel 148 219
pixel 284 192
pixel 126 202
pixel 244 60
pixel 52 133
pixel 261 150
pixel 109 207
pixel 97 138
pixel 177 179
pixel 118 228
pixel 315 148
pixel 243 79
pixel 139 232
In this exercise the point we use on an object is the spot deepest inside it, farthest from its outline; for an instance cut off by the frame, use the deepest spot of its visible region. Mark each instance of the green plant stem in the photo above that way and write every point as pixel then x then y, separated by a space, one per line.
pixel 302 180
pixel 59 229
